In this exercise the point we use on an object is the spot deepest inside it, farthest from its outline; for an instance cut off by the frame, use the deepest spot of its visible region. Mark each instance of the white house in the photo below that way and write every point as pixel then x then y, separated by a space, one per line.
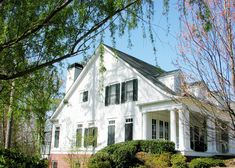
pixel 117 97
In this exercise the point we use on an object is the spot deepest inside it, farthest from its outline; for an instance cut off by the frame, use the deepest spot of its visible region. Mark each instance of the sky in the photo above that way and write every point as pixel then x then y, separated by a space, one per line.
pixel 166 43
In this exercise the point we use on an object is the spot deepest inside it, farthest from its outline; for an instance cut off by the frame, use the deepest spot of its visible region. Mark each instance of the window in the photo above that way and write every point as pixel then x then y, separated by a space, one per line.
pixel 84 96
pixel 79 136
pixel 164 130
pixel 129 129
pixel 54 164
pixel 57 136
pixel 154 129
pixel 161 129
pixel 222 138
pixel 129 91
pixel 90 137
pixel 111 132
pixel 198 138
pixel 112 94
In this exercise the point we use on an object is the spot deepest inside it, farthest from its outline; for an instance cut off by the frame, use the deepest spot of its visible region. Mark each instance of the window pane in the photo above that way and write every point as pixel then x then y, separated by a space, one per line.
pixel 129 90
pixel 90 137
pixel 154 129
pixel 129 86
pixel 79 137
pixel 166 131
pixel 85 96
pixel 222 137
pixel 112 95
pixel 161 129
pixel 111 134
pixel 128 132
pixel 198 139
pixel 86 138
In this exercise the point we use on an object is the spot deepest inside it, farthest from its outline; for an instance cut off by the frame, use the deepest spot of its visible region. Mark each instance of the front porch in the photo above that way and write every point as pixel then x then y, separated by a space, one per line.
pixel 194 134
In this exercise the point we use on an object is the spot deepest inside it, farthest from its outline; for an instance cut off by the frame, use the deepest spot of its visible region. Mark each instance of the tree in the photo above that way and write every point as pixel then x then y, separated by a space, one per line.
pixel 207 49
pixel 34 35
pixel 24 104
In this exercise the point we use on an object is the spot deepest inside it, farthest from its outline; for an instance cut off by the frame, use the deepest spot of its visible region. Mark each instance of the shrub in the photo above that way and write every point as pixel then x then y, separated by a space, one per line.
pixel 205 163
pixel 157 146
pixel 100 159
pixel 158 160
pixel 123 154
pixel 12 158
pixel 178 161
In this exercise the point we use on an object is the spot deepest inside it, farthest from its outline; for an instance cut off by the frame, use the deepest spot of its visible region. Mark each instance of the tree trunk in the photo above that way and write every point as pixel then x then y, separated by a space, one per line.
pixel 10 118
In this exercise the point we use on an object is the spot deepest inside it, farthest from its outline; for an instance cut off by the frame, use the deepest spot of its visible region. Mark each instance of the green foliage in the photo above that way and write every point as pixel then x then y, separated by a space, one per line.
pixel 157 147
pixel 178 161
pixel 33 97
pixel 124 154
pixel 158 160
pixel 34 33
pixel 206 163
pixel 101 159
pixel 11 158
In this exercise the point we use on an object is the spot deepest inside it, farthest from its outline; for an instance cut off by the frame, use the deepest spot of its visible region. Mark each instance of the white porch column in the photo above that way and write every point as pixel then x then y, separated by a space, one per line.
pixel 184 130
pixel 145 125
pixel 211 135
pixel 231 145
pixel 173 126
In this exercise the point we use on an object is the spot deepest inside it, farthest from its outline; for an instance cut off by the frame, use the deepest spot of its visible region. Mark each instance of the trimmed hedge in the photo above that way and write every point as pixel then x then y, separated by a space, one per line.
pixel 149 146
pixel 122 154
pixel 12 158
pixel 206 163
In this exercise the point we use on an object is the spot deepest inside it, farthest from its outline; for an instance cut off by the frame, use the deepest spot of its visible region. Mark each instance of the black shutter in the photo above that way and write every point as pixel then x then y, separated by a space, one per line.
pixel 135 90
pixel 94 136
pixel 106 95
pixel 117 101
pixel 123 96
pixel 86 137
pixel 128 132
pixel 111 134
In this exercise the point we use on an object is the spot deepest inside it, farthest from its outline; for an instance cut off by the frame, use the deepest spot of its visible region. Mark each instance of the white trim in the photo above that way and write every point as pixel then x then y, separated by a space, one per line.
pixel 87 67
pixel 77 81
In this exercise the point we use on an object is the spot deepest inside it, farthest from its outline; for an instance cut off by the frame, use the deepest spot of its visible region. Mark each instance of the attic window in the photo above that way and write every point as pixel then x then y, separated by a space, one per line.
pixel 84 96
pixel 129 91
pixel 112 94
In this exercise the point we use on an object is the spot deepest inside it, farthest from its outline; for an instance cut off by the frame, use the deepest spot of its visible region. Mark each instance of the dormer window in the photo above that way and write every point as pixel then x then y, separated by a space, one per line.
pixel 84 96
pixel 129 91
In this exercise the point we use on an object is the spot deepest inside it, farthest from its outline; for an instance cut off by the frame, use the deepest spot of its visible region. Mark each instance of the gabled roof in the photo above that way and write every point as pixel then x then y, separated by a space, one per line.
pixel 147 70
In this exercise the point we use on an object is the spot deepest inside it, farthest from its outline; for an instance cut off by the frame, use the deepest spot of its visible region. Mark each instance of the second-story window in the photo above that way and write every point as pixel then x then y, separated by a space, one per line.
pixel 112 94
pixel 129 91
pixel 84 96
